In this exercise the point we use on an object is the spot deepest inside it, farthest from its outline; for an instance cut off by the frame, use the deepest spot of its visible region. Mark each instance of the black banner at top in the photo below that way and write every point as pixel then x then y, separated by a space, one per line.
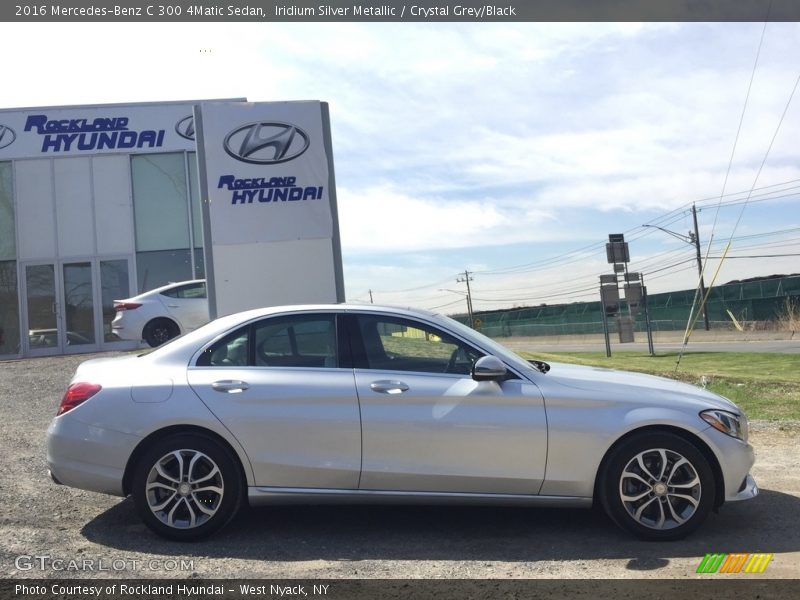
pixel 398 11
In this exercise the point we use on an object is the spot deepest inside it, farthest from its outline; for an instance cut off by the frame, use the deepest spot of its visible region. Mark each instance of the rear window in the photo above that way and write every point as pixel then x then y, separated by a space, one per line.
pixel 190 290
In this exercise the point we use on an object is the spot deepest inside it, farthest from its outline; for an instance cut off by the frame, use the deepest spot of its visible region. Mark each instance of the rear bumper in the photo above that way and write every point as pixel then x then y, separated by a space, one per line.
pixel 88 457
pixel 127 327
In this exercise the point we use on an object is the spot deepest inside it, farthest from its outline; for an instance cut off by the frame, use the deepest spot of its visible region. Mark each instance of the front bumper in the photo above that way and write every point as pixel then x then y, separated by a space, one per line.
pixel 735 458
pixel 748 490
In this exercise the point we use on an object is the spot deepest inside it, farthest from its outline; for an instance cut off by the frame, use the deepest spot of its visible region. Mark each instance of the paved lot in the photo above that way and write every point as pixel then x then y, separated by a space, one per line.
pixel 42 519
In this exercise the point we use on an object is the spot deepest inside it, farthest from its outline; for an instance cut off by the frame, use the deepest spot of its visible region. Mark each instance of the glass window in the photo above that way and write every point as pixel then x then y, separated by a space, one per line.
pixel 160 201
pixel 8 248
pixel 40 286
pixel 394 344
pixel 155 269
pixel 9 308
pixel 194 195
pixel 199 263
pixel 115 286
pixel 191 290
pixel 9 299
pixel 230 351
pixel 296 341
pixel 79 303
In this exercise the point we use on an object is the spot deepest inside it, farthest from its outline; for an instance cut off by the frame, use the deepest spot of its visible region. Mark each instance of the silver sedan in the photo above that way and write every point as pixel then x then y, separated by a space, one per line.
pixel 349 403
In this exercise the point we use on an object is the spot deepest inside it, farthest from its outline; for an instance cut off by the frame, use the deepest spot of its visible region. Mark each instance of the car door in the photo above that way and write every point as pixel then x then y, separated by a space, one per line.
pixel 187 304
pixel 282 386
pixel 427 426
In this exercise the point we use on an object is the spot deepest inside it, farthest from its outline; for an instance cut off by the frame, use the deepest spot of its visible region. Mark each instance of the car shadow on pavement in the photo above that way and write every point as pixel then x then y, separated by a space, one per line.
pixel 302 533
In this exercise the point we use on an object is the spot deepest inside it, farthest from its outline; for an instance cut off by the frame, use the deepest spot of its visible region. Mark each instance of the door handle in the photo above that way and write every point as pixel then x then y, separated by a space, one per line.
pixel 230 386
pixel 386 386
pixel 173 305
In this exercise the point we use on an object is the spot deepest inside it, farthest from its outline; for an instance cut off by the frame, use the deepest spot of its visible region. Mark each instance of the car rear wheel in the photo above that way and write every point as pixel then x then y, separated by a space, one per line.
pixel 658 486
pixel 160 331
pixel 186 487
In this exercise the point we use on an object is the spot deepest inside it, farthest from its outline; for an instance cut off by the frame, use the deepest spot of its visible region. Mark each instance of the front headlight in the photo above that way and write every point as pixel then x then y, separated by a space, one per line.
pixel 727 422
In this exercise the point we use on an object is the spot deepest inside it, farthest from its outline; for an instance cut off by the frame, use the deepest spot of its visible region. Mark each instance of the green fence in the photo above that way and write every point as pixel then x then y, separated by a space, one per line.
pixel 749 302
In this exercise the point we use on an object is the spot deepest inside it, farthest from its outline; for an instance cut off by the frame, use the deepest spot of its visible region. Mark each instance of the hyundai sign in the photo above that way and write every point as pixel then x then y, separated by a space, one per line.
pixel 269 204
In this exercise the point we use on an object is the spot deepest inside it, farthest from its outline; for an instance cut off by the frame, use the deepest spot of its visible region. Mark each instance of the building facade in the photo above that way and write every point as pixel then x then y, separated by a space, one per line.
pixel 97 203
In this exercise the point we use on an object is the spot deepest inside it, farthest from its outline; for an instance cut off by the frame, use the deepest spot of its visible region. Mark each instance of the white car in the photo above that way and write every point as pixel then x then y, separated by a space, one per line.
pixel 161 314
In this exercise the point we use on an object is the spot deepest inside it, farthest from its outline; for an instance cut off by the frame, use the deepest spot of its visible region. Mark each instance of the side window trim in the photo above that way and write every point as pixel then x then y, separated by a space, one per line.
pixel 343 343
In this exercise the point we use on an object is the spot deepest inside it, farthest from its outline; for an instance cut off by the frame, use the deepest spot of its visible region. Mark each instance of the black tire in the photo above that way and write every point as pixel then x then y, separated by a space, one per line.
pixel 159 331
pixel 660 511
pixel 184 516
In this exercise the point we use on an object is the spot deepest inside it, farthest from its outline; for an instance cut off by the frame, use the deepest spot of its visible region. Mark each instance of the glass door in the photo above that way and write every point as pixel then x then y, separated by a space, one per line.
pixel 43 310
pixel 69 305
pixel 115 284
pixel 79 333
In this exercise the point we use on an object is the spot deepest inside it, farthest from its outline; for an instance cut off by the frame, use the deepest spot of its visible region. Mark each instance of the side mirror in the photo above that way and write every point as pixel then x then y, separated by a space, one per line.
pixel 488 368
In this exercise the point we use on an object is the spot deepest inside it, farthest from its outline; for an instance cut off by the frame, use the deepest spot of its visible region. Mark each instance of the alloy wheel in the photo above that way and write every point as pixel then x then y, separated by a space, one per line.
pixel 660 489
pixel 184 489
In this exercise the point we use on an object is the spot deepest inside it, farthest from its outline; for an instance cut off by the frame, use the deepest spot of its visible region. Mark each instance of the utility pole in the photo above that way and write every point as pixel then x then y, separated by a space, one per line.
pixel 370 297
pixel 696 240
pixel 466 279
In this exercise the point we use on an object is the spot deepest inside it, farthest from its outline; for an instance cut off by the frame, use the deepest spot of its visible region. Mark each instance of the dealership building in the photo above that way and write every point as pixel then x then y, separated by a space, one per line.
pixel 97 203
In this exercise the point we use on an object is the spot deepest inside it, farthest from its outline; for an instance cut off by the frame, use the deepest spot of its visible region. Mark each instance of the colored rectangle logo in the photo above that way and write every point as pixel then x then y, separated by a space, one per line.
pixel 737 562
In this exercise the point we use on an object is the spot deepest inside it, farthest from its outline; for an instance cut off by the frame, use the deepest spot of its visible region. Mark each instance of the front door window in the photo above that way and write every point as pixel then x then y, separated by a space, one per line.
pixel 393 344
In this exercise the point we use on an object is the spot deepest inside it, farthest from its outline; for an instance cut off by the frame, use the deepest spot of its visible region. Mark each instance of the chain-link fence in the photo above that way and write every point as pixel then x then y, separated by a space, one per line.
pixel 748 304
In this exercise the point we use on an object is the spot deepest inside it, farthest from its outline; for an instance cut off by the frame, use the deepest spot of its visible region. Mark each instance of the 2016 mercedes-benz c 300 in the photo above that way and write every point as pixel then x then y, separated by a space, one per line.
pixel 349 403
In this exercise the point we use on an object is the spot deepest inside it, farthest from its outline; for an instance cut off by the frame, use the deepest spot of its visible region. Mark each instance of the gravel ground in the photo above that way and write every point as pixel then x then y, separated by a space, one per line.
pixel 40 518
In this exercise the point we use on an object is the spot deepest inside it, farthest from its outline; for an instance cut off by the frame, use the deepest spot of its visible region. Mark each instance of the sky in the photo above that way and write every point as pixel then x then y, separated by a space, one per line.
pixel 507 150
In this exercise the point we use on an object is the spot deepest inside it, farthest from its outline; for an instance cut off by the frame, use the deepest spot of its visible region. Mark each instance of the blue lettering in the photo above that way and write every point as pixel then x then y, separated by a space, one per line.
pixel 146 137
pixel 107 140
pixel 50 142
pixel 84 145
pixel 127 139
pixel 36 121
pixel 311 192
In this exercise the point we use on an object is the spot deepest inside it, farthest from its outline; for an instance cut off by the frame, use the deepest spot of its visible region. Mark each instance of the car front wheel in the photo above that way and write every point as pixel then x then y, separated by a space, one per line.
pixel 186 487
pixel 658 486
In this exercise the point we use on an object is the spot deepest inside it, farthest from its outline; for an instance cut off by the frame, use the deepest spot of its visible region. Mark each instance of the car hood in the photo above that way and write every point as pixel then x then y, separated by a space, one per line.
pixel 612 384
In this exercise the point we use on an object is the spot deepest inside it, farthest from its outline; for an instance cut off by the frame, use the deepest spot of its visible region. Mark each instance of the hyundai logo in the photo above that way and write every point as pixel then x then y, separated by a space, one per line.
pixel 7 136
pixel 266 143
pixel 185 127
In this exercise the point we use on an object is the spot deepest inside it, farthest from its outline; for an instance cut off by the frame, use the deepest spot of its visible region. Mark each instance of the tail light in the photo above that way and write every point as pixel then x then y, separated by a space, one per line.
pixel 76 394
pixel 126 305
